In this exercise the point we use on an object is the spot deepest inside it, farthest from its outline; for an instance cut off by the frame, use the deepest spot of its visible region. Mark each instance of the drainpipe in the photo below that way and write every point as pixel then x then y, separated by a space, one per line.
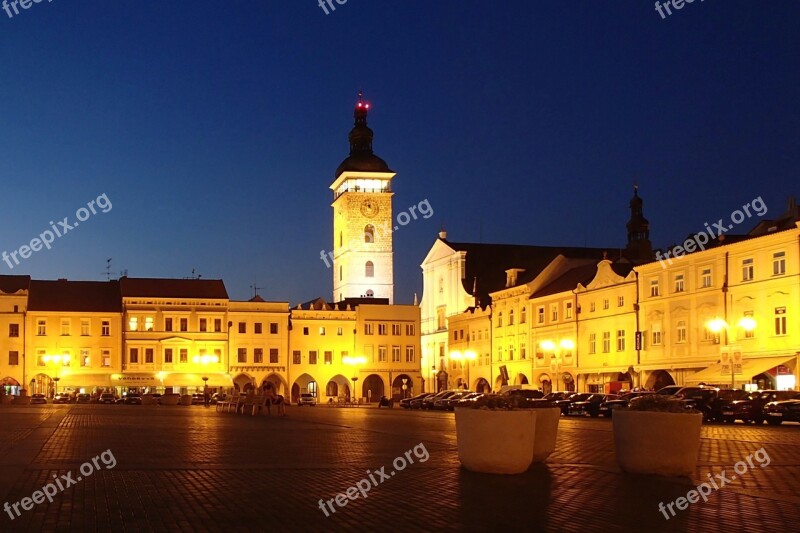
pixel 577 344
pixel 725 298
pixel 638 335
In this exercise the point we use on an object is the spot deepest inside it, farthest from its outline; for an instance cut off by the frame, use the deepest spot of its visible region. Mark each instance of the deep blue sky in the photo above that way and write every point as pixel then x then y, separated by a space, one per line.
pixel 215 126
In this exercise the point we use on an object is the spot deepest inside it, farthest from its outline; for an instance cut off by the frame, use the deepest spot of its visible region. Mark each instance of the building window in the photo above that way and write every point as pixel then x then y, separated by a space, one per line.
pixel 554 312
pixel 217 325
pixel 369 233
pixel 368 329
pixel 258 328
pixel 242 355
pixel 395 354
pixel 705 278
pixel 369 269
pixel 105 328
pixel 620 340
pixel 85 328
pixel 656 336
pixel 500 319
pixel 168 356
pixel 606 341
pixel 242 327
pixel 621 301
pixel 510 352
pixel 258 356
pixel 148 324
pixel 778 263
pixel 568 310
pixel 441 320
pixel 679 287
pixel 329 357
pixel 340 273
pixel 322 330
pixel 511 317
pixel 747 269
pixel 540 315
pixel 184 355
pixel 203 325
pixel 382 329
pixel 40 357
pixel 499 353
pixel 522 351
pixel 13 358
pixel 134 356
pixel 339 331
pixel 410 358
pixel 654 287
pixel 167 324
pixel 13 330
pixel 780 321
pixel 312 357
pixel 592 307
pixel 106 358
pixel 749 333
pixel 148 356
pixel 65 327
pixel 410 330
pixel 523 315
pixel 184 324
pixel 382 353
pixel 681 331
pixel 305 331
pixel 273 328
pixel 605 303
pixel 133 323
pixel 592 342
pixel 396 330
pixel 296 357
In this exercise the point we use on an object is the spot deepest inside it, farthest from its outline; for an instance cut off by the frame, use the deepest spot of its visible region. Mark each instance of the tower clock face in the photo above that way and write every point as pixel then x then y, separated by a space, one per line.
pixel 369 208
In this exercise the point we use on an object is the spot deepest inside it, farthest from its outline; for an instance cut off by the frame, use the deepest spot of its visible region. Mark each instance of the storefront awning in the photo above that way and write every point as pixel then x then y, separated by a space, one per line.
pixel 85 380
pixel 750 368
pixel 196 380
pixel 135 380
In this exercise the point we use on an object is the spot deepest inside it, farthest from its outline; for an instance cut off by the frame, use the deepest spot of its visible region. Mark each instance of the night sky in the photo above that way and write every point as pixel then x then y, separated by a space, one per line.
pixel 215 127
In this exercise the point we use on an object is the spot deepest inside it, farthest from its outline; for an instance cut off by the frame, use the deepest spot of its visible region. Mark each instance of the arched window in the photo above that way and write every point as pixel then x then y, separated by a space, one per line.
pixel 511 318
pixel 369 270
pixel 332 389
pixel 369 233
pixel 500 322
pixel 523 315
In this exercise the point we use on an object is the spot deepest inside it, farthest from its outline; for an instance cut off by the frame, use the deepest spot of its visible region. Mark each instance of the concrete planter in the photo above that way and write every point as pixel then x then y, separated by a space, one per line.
pixel 546 433
pixel 170 399
pixel 186 399
pixel 495 442
pixel 664 444
pixel 148 400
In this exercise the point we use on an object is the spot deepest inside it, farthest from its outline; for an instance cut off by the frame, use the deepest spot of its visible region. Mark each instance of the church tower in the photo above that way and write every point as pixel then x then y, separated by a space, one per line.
pixel 363 262
pixel 639 248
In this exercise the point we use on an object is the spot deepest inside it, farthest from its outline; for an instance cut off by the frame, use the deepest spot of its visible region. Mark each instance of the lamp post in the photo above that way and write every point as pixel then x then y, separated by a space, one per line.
pixel 57 360
pixel 717 325
pixel 549 346
pixel 467 356
pixel 354 361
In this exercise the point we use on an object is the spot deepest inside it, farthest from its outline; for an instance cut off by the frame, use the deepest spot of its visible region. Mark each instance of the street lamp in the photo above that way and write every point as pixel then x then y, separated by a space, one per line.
pixel 354 361
pixel 57 360
pixel 549 346
pixel 717 325
pixel 467 356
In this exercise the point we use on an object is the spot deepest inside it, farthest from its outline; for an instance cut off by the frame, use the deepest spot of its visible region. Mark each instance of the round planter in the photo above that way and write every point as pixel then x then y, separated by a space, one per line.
pixel 546 433
pixel 186 399
pixel 148 400
pixel 495 442
pixel 665 444
pixel 170 399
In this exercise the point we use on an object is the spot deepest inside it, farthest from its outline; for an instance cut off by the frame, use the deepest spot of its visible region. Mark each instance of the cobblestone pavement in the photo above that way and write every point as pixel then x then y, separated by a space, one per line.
pixel 191 469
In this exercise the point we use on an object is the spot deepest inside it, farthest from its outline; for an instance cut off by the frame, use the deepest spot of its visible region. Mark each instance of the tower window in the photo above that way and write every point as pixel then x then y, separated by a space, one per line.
pixel 369 233
pixel 369 270
pixel 340 273
pixel 341 240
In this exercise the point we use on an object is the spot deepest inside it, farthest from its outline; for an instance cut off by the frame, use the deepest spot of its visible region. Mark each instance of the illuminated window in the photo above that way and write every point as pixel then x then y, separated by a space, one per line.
pixel 148 324
pixel 133 324
pixel 329 357
pixel 322 330
pixel 510 352
pixel 85 360
pixel 106 358
pixel 749 334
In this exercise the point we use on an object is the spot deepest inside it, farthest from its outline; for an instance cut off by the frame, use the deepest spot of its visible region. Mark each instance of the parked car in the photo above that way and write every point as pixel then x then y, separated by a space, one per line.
pixel 725 397
pixel 443 403
pixel 38 398
pixel 752 408
pixel 777 412
pixel 416 403
pixel 157 397
pixel 107 397
pixel 610 404
pixel 701 398
pixel 466 400
pixel 557 396
pixel 198 398
pixel 565 403
pixel 307 398
pixel 530 394
pixel 218 397
pixel 405 403
pixel 62 397
pixel 590 406
pixel 133 399
pixel 428 402
pixel 670 390
pixel 84 398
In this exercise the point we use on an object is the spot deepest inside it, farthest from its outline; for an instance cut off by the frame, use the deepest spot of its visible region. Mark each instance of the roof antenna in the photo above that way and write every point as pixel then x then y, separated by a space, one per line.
pixel 108 269
pixel 255 288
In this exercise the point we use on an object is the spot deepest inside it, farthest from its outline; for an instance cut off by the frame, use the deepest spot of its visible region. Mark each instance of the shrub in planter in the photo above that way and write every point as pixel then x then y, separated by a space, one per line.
pixel 657 435
pixel 547 418
pixel 495 437
pixel 170 399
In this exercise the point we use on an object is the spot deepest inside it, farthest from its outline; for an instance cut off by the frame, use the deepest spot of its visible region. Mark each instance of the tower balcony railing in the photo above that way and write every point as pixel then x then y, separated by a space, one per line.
pixel 356 188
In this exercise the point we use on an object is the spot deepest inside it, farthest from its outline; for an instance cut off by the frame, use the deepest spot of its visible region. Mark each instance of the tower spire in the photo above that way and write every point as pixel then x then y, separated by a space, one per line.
pixel 361 136
pixel 639 247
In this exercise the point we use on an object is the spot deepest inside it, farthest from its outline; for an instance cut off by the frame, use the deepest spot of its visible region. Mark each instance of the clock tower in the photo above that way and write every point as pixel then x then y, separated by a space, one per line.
pixel 363 260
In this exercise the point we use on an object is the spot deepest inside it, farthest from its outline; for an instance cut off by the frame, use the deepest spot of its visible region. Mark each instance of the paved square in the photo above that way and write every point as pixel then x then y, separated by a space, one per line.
pixel 190 468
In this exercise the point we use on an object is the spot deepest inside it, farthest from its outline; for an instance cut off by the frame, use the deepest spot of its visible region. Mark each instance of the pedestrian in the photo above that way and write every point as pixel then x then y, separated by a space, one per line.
pixel 206 396
pixel 274 399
